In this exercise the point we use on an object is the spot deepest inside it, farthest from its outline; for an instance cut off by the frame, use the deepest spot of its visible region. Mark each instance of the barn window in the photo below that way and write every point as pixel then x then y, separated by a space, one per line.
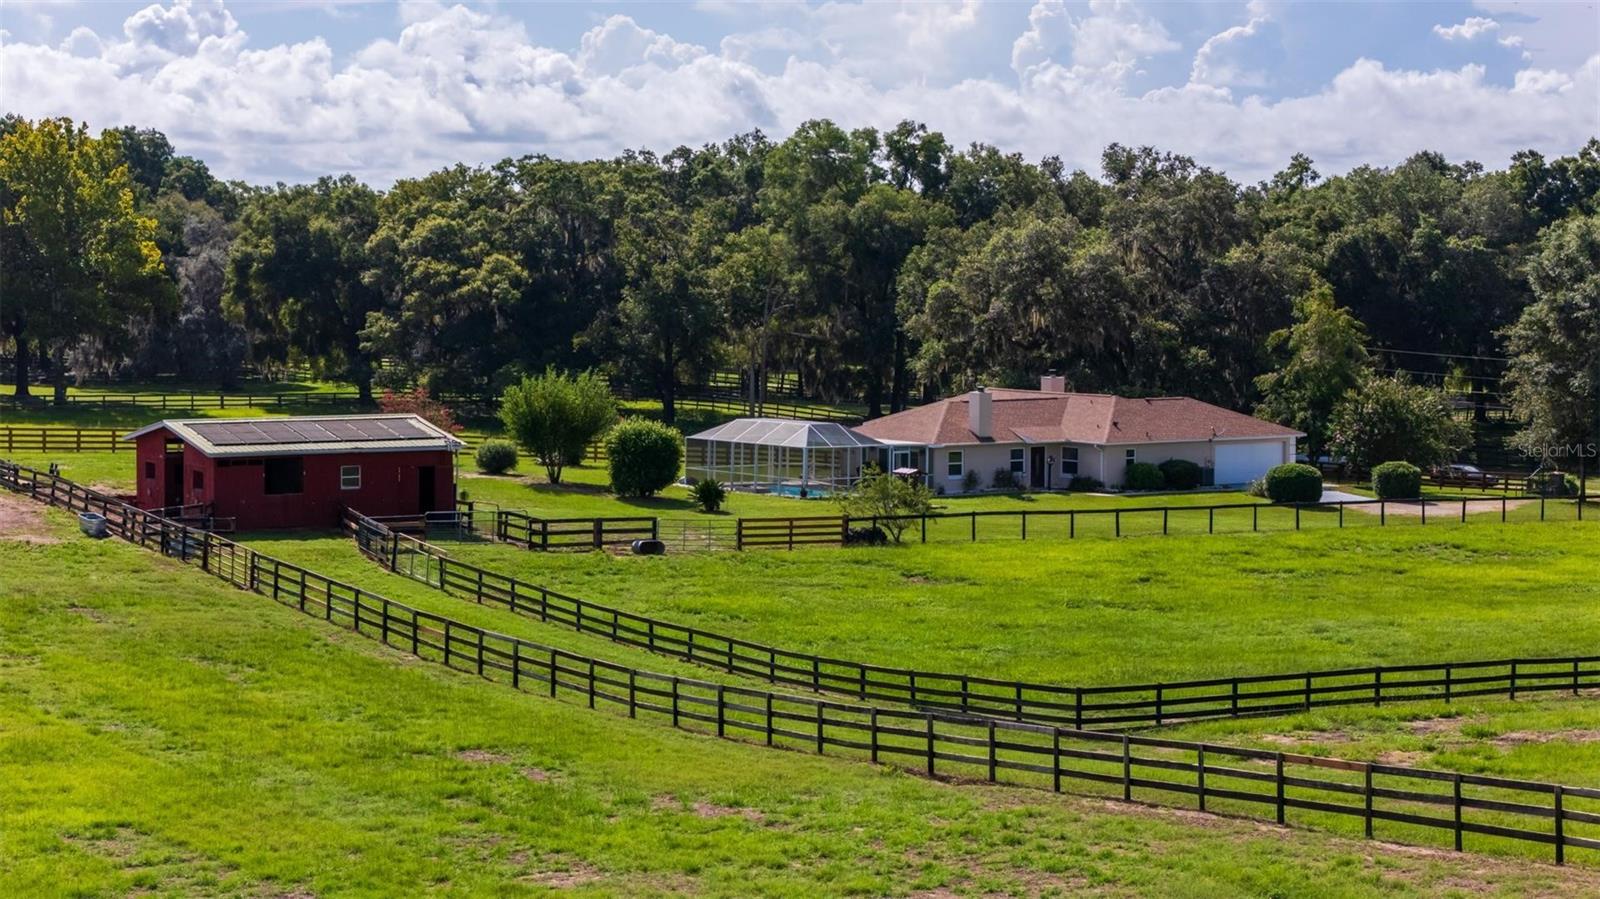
pixel 284 476
pixel 149 471
pixel 954 464
pixel 349 477
pixel 199 479
pixel 1018 463
pixel 1069 460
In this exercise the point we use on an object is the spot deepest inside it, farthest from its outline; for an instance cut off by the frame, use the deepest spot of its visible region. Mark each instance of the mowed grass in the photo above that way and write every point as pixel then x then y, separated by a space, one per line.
pixel 1133 610
pixel 163 734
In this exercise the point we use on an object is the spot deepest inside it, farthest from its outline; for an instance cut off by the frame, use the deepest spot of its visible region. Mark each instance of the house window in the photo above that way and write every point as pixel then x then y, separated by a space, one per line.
pixel 349 477
pixel 149 471
pixel 284 476
pixel 900 459
pixel 1069 460
pixel 1018 461
pixel 1130 457
pixel 954 464
pixel 198 479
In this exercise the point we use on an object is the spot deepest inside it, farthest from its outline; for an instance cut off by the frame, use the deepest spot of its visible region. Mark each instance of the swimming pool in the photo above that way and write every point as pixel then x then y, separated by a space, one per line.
pixel 794 490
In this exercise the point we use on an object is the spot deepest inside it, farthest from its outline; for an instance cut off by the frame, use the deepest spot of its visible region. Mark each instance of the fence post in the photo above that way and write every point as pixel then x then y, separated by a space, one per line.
pixel 769 719
pixel 674 701
pixel 1255 517
pixel 1561 829
pixel 1200 776
pixel 1383 513
pixel 599 533
pixel 1055 757
pixel 1077 709
pixel 1297 516
pixel 1448 673
pixel 552 674
pixel 1422 508
pixel 738 534
pixel 993 762
pixel 872 731
pixel 1341 513
pixel 1211 519
pixel 1513 679
pixel 1456 804
pixel 974 527
pixel 722 710
pixel 930 744
pixel 1024 526
pixel 1127 770
pixel 1072 524
pixel 1463 511
pixel 516 656
pixel 1279 779
pixel 1119 522
pixel 821 720
pixel 1377 687
pixel 1366 794
pixel 924 527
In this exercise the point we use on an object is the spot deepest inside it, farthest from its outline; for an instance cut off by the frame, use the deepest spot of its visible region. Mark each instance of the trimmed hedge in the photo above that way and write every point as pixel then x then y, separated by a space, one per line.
pixel 1294 483
pixel 1144 476
pixel 1082 483
pixel 496 456
pixel 644 456
pixel 1397 480
pixel 1181 474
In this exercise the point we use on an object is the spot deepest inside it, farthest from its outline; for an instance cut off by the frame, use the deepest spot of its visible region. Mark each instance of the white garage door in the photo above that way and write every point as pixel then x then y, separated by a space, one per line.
pixel 1240 463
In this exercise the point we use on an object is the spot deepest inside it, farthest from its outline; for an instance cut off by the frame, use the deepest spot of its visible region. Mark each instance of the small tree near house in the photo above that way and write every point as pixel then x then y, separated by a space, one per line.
pixel 881 495
pixel 417 401
pixel 555 417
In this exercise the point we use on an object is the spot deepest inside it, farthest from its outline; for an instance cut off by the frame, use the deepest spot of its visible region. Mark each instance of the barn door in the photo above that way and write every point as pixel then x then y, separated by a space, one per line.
pixel 173 485
pixel 425 488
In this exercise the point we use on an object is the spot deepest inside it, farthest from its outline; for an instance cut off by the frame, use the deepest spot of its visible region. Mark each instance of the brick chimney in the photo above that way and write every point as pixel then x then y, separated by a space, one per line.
pixel 1050 382
pixel 980 413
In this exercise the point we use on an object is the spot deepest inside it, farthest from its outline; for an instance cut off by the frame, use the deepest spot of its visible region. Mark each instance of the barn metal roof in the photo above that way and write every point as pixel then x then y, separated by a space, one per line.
pixel 786 432
pixel 306 435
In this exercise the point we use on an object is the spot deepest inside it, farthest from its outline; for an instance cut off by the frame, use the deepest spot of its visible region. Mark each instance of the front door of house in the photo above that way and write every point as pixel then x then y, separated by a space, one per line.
pixel 1037 467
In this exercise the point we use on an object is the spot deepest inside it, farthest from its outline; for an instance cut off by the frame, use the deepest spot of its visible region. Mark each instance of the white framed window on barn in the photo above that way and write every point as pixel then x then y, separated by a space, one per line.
pixel 349 477
pixel 1069 460
pixel 955 464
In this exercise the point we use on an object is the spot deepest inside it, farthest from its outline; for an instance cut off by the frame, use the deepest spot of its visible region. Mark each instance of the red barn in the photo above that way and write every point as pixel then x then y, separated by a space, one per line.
pixel 297 472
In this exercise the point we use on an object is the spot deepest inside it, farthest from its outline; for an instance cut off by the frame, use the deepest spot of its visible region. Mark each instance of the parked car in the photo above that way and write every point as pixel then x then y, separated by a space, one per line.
pixel 1463 475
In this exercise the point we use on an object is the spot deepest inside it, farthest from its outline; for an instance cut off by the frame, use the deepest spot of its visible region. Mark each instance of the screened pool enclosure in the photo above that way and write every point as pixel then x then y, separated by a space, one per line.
pixel 799 458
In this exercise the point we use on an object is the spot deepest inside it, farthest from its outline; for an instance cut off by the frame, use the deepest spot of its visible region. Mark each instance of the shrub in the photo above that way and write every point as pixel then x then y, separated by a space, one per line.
pixel 1294 483
pixel 1181 474
pixel 1552 483
pixel 1257 488
pixel 971 480
pixel 555 417
pixel 1397 480
pixel 882 496
pixel 1390 419
pixel 709 494
pixel 1086 484
pixel 1143 476
pixel 496 456
pixel 644 455
pixel 1004 480
pixel 865 536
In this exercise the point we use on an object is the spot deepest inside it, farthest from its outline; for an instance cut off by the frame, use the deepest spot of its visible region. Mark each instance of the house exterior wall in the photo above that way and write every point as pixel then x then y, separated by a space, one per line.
pixel 236 487
pixel 1107 464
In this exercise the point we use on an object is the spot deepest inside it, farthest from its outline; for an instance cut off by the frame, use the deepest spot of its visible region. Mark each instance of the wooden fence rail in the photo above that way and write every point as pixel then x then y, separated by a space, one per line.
pixel 196 401
pixel 1015 524
pixel 1497 812
pixel 15 439
pixel 1093 707
pixel 560 533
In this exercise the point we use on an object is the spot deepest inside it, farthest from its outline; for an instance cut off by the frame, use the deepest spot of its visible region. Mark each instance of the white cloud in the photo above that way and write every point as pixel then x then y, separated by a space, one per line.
pixel 1468 30
pixel 1216 62
pixel 460 85
pixel 1105 46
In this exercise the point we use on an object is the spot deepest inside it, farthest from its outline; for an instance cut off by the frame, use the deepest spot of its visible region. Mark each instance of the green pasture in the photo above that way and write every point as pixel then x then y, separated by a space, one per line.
pixel 162 734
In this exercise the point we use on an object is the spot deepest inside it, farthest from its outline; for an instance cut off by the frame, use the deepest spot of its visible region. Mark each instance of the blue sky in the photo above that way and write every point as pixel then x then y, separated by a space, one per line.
pixel 283 90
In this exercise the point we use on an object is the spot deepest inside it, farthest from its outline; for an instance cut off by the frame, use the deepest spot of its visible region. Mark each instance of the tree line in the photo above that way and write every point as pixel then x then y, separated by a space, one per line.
pixel 886 267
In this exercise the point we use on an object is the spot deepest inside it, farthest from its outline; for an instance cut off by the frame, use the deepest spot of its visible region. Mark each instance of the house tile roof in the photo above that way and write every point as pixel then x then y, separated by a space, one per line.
pixel 1032 416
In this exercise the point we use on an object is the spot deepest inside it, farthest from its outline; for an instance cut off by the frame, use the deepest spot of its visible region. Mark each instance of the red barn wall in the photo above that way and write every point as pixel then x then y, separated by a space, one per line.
pixel 236 488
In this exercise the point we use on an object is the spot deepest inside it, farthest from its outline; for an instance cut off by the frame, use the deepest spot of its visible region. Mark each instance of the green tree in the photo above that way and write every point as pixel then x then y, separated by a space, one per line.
pixel 643 456
pixel 1393 420
pixel 1325 360
pixel 555 417
pixel 297 276
pixel 77 260
pixel 1554 373
pixel 891 500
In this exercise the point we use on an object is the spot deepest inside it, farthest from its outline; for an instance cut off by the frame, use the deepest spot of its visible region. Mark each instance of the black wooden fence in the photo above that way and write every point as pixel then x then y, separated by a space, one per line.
pixel 1122 521
pixel 563 533
pixel 1092 707
pixel 1215 778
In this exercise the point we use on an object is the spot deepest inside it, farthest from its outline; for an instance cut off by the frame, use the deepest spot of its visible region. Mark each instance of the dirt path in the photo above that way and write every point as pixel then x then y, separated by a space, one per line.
pixel 22 521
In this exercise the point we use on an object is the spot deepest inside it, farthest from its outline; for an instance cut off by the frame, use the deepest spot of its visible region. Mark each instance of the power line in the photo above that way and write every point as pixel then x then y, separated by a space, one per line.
pixel 1379 349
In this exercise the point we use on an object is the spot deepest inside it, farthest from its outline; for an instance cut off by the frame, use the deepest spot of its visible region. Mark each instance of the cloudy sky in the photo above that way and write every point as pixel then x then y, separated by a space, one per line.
pixel 269 90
